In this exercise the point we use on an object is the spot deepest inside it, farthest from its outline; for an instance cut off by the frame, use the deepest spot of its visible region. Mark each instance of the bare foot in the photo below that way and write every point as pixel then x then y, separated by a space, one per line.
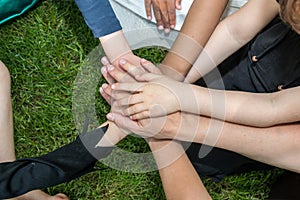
pixel 40 195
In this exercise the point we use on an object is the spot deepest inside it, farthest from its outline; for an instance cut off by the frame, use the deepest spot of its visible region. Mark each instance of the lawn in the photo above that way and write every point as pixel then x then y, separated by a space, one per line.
pixel 45 50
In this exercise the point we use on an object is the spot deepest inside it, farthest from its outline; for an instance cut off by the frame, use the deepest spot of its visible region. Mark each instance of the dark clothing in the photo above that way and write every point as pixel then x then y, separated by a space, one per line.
pixel 286 187
pixel 62 165
pixel 99 16
pixel 276 65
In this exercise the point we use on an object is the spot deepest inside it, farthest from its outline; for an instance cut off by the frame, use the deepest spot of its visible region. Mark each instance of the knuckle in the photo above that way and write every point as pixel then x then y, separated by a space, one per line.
pixel 133 109
pixel 172 12
pixel 145 114
pixel 127 112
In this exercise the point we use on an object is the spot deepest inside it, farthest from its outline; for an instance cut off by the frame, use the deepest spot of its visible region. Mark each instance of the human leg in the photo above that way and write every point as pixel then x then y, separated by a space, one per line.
pixel 7 150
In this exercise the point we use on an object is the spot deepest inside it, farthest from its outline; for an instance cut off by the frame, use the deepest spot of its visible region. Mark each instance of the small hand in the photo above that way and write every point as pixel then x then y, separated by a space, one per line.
pixel 158 96
pixel 164 12
pixel 125 72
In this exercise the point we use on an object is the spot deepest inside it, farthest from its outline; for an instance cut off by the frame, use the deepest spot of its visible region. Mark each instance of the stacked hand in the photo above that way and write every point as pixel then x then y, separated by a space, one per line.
pixel 154 95
pixel 132 98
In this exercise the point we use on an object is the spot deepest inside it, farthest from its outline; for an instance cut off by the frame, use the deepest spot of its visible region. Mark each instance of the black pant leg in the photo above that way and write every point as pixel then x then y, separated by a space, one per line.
pixel 62 165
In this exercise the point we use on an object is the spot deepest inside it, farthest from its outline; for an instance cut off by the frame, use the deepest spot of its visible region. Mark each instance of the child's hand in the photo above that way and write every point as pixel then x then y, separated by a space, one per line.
pixel 156 96
pixel 151 99
pixel 164 12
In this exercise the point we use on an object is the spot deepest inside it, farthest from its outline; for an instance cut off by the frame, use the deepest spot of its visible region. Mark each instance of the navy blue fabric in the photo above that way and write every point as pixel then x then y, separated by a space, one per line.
pixel 99 16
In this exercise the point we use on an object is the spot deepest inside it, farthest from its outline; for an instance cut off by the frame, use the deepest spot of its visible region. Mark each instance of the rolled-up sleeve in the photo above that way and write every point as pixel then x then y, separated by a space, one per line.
pixel 99 16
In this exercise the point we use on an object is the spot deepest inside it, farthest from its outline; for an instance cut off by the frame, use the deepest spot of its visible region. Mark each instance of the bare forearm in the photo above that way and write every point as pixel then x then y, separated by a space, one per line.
pixel 252 109
pixel 231 34
pixel 179 178
pixel 197 29
pixel 277 145
pixel 110 42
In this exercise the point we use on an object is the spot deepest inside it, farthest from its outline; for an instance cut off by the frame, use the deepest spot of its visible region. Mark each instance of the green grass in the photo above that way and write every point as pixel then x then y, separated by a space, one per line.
pixel 44 51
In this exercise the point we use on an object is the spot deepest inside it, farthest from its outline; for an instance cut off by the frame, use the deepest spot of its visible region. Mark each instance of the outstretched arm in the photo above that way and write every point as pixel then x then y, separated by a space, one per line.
pixel 179 178
pixel 277 145
pixel 232 33
pixel 199 24
pixel 101 19
pixel 251 109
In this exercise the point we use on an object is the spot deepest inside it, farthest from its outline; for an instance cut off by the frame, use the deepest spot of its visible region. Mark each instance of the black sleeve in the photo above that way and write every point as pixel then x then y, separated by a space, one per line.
pixel 62 165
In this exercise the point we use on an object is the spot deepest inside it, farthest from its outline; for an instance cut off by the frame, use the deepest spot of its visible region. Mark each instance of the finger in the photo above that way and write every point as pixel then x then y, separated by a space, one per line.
pixel 137 108
pixel 122 121
pixel 172 14
pixel 147 77
pixel 150 67
pixel 114 95
pixel 105 61
pixel 106 89
pixel 178 4
pixel 130 100
pixel 141 116
pixel 119 75
pixel 148 9
pixel 116 109
pixel 107 76
pixel 106 97
pixel 118 95
pixel 157 15
pixel 129 87
pixel 165 16
pixel 133 70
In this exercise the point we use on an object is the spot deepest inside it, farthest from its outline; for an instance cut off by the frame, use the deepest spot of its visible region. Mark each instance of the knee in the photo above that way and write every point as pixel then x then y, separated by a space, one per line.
pixel 4 73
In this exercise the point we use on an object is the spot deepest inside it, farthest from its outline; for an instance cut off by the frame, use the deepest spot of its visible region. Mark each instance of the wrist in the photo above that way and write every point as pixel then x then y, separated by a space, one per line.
pixel 186 98
pixel 113 40
pixel 112 136
pixel 170 71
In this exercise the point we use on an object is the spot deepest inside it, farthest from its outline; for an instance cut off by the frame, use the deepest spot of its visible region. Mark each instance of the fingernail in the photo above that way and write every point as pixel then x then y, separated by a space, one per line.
pixel 104 86
pixel 103 70
pixel 172 26
pixel 104 61
pixel 111 68
pixel 143 60
pixel 160 27
pixel 149 17
pixel 110 117
pixel 167 30
pixel 113 86
pixel 122 62
pixel 101 90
